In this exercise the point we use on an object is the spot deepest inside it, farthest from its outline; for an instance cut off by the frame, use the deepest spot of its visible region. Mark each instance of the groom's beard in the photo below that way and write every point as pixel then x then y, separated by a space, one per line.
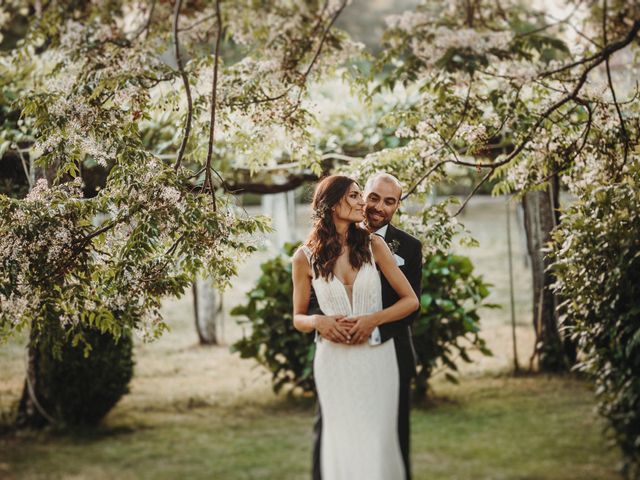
pixel 374 223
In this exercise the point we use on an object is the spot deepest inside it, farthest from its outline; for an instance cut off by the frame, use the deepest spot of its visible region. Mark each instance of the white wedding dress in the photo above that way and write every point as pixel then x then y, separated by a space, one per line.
pixel 357 388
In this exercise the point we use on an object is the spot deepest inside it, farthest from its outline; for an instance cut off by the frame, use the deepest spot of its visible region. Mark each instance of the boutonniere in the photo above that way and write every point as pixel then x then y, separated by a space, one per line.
pixel 394 245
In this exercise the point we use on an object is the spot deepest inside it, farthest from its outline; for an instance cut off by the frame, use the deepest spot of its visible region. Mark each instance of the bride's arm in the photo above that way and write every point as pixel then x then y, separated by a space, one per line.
pixel 406 304
pixel 301 273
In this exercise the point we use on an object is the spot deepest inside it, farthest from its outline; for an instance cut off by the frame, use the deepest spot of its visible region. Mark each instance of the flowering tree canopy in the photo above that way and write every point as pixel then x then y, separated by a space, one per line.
pixel 101 85
pixel 182 102
pixel 515 92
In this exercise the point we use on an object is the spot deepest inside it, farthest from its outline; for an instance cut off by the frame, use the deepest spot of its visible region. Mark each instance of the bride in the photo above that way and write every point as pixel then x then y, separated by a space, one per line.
pixel 357 382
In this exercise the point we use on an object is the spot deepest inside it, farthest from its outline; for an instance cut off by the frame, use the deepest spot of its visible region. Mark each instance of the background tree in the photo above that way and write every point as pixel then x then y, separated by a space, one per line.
pixel 523 99
pixel 84 79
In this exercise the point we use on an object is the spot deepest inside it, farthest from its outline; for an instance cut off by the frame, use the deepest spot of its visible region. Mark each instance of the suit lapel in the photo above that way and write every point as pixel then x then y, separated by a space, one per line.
pixel 390 234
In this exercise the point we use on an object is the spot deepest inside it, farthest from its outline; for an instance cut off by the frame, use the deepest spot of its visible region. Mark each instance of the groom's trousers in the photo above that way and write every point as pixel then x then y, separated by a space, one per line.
pixel 406 358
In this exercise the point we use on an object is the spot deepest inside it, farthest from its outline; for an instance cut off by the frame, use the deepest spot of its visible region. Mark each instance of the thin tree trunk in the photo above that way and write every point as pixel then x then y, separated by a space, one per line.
pixel 516 366
pixel 207 306
pixel 30 410
pixel 540 219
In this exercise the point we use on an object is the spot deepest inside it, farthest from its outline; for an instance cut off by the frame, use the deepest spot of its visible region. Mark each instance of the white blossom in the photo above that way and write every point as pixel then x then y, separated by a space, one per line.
pixel 170 195
pixel 408 21
pixel 72 36
pixel 14 307
pixel 38 192
pixel 472 133
pixel 441 39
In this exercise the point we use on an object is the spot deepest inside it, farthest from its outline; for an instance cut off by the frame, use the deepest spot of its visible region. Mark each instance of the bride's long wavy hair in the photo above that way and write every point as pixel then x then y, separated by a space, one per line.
pixel 323 240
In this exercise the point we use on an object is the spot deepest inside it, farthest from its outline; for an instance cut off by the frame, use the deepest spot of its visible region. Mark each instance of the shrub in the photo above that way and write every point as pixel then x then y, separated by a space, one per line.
pixel 273 341
pixel 597 266
pixel 77 389
pixel 449 303
pixel 450 299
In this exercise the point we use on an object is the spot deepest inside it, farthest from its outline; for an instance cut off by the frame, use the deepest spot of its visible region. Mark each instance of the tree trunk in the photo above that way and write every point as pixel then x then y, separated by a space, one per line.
pixel 31 412
pixel 207 306
pixel 540 210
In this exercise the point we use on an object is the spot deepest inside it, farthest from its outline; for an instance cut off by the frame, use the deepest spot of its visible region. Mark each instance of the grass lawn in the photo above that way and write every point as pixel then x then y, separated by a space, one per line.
pixel 487 428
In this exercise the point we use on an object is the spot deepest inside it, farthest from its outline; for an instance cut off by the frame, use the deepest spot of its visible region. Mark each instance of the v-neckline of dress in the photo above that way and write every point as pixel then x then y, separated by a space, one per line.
pixel 353 287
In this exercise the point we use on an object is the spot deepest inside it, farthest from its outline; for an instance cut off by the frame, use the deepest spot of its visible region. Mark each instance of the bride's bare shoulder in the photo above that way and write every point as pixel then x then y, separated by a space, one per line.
pixel 301 258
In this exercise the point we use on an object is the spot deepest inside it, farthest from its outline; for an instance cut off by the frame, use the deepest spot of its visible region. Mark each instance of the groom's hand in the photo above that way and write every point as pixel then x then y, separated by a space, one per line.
pixel 332 328
pixel 361 328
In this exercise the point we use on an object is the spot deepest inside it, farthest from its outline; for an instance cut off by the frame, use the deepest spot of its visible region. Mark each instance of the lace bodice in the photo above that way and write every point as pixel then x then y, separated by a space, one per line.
pixel 333 296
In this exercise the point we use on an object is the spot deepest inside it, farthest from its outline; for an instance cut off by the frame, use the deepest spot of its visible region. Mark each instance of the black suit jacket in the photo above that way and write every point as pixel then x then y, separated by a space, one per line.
pixel 410 249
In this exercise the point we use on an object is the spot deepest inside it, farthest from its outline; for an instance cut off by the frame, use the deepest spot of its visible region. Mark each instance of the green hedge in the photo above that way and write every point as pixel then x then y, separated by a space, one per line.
pixel 449 323
pixel 79 390
pixel 272 340
pixel 450 299
pixel 597 266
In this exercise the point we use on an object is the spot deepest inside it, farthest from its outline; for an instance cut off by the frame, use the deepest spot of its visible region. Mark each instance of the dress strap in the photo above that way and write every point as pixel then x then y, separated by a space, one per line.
pixel 307 252
pixel 309 255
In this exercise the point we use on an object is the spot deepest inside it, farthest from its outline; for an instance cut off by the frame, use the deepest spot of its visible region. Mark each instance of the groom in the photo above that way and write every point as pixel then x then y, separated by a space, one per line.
pixel 382 193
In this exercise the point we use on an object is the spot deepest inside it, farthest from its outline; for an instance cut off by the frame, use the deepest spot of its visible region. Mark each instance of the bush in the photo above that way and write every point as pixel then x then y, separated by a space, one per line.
pixel 449 303
pixel 79 390
pixel 597 266
pixel 273 341
pixel 450 299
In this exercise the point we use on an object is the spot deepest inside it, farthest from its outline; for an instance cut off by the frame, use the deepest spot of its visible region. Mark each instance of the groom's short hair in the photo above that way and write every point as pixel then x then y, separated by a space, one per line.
pixel 386 177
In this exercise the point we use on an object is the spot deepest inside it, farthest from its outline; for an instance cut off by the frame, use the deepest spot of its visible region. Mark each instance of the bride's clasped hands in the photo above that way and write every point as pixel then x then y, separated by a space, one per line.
pixel 352 330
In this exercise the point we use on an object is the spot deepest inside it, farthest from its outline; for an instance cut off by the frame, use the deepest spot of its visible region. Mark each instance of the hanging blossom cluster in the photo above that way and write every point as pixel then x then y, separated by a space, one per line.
pixel 473 134
pixel 107 260
pixel 408 21
pixel 62 262
pixel 38 236
pixel 75 120
pixel 437 42
pixel 436 227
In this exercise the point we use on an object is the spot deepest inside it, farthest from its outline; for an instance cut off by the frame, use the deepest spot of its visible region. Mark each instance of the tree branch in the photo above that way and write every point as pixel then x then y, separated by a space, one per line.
pixel 425 176
pixel 187 87
pixel 145 28
pixel 446 142
pixel 623 128
pixel 550 25
pixel 323 39
pixel 199 22
pixel 599 57
pixel 577 31
pixel 473 192
pixel 267 189
pixel 261 188
pixel 208 182
pixel 303 75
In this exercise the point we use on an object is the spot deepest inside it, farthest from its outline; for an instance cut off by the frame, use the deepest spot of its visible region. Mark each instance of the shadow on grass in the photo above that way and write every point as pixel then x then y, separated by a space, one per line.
pixel 491 426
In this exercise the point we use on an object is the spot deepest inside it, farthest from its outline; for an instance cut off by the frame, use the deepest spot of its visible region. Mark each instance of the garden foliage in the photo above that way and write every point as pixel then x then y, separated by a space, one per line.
pixel 597 265
pixel 79 389
pixel 448 326
pixel 272 340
